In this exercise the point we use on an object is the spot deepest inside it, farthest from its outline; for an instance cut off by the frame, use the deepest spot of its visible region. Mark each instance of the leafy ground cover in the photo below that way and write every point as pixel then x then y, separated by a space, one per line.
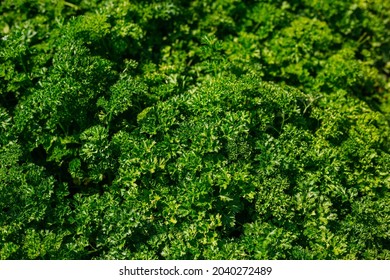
pixel 200 129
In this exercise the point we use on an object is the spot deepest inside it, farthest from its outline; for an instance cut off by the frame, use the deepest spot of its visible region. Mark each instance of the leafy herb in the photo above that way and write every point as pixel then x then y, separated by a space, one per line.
pixel 177 129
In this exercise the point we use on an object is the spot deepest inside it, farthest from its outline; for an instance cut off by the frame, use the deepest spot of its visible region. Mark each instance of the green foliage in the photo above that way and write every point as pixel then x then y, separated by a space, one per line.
pixel 194 129
pixel 30 203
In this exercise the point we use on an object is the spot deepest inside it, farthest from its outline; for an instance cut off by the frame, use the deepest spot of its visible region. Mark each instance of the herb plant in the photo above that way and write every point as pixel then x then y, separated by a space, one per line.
pixel 196 129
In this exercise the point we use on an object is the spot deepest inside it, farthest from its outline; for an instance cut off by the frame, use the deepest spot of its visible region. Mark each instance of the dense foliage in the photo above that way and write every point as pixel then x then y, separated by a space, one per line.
pixel 204 129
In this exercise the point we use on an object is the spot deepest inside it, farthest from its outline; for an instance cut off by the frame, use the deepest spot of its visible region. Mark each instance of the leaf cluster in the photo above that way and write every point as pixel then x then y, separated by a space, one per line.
pixel 196 129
